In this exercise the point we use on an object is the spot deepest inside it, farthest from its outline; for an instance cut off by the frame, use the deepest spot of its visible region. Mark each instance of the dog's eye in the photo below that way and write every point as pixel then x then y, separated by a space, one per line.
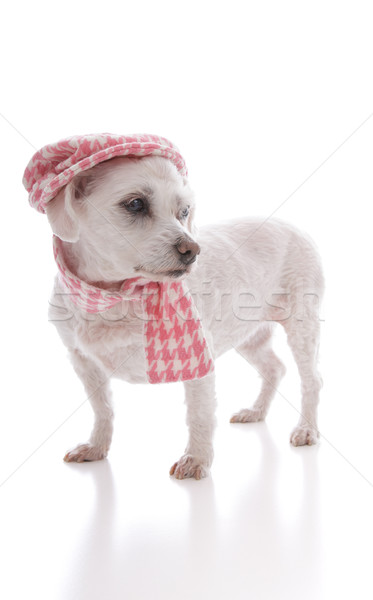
pixel 184 213
pixel 136 205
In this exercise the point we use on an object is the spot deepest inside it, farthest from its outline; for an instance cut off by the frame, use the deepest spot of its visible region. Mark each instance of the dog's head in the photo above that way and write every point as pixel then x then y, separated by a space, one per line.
pixel 127 217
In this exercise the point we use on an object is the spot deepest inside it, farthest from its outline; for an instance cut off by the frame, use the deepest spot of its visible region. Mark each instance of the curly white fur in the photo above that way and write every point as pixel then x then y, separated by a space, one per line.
pixel 249 276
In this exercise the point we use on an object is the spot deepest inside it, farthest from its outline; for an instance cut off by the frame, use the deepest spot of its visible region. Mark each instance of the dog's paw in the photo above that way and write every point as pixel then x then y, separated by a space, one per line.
pixel 247 415
pixel 304 436
pixel 189 466
pixel 85 452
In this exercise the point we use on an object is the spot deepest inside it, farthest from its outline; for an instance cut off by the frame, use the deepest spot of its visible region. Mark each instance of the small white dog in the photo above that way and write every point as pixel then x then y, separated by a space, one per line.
pixel 130 217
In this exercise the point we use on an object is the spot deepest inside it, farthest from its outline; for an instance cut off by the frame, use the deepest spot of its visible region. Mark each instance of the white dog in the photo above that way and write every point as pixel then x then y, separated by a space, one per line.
pixel 130 217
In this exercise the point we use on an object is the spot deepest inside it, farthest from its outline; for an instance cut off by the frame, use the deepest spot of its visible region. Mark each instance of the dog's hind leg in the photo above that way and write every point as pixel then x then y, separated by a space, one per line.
pixel 303 338
pixel 258 352
pixel 97 388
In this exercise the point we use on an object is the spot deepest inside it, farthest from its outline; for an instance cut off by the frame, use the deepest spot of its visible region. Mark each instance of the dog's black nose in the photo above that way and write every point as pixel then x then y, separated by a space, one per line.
pixel 187 251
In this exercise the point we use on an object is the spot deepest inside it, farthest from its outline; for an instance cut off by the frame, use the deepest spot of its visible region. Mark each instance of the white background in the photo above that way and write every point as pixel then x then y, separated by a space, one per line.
pixel 271 104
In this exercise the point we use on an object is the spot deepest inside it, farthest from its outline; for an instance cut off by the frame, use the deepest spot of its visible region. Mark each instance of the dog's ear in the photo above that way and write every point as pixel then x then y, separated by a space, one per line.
pixel 62 216
pixel 63 210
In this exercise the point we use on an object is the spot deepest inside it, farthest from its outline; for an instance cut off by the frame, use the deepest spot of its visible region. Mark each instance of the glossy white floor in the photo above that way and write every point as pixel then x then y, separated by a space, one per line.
pixel 271 104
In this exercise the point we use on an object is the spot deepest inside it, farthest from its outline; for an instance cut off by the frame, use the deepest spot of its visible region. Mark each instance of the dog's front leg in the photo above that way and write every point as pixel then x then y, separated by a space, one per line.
pixel 96 385
pixel 201 402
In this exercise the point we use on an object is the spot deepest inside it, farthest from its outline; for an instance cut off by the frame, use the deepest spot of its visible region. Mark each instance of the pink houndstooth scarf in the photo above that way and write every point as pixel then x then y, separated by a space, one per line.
pixel 174 342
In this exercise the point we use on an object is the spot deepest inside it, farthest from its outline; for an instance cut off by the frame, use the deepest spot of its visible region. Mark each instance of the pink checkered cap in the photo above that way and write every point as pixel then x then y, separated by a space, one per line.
pixel 52 167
